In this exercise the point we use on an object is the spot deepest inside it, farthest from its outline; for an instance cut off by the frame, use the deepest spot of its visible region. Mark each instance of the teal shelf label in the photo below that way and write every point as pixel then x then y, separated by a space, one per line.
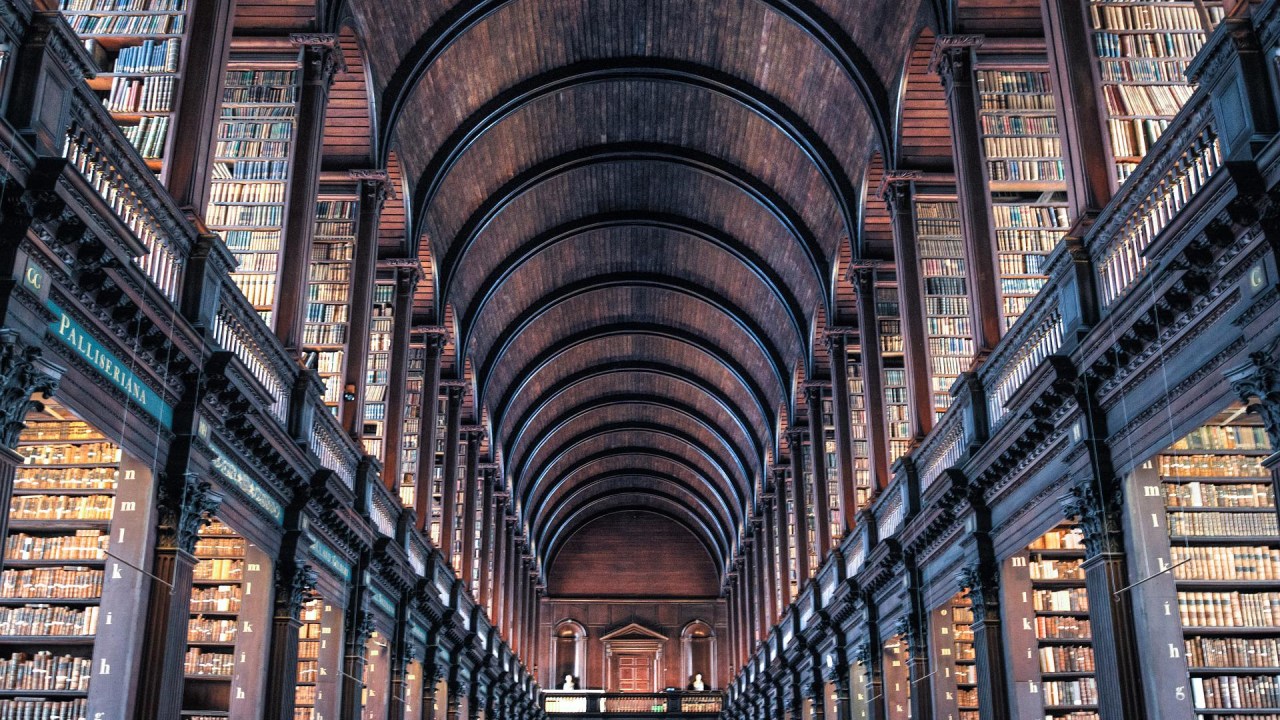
pixel 246 485
pixel 333 560
pixel 109 366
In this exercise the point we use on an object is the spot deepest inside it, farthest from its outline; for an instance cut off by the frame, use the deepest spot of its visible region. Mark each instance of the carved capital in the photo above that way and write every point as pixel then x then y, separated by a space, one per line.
pixel 895 190
pixel 294 582
pixel 375 189
pixel 952 57
pixel 983 585
pixel 185 506
pixel 861 654
pixel 1098 507
pixel 321 57
pixel 20 379
pixel 1257 383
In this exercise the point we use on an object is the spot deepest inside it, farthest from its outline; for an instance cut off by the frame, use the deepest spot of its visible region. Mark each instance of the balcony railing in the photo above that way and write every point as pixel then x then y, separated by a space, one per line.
pixel 590 702
pixel 1183 161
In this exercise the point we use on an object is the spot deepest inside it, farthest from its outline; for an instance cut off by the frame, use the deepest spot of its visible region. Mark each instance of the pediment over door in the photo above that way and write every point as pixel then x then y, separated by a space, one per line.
pixel 634 631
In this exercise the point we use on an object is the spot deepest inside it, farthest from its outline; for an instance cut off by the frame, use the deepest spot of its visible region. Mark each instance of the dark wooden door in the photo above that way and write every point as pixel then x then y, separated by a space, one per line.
pixel 635 673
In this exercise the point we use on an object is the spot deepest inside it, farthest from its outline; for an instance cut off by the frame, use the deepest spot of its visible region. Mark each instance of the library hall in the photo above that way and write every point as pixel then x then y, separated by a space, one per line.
pixel 640 359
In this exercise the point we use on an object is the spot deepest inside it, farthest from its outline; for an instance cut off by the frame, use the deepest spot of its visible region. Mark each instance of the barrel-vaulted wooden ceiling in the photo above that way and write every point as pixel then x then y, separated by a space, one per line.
pixel 635 210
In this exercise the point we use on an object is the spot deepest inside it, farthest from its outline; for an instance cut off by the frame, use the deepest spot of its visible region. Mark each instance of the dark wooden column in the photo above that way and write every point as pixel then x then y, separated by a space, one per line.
pixel 749 576
pixel 914 629
pixel 763 591
pixel 471 436
pixel 953 60
pixel 449 487
pixel 500 587
pixel 731 604
pixel 1080 117
pixel 196 115
pixel 518 577
pixel 487 565
pixel 294 579
pixel 530 613
pixel 358 627
pixel 817 699
pixel 897 191
pixel 982 578
pixel 870 655
pixel 1096 498
pixel 770 601
pixel 864 284
pixel 799 496
pixel 185 504
pixel 837 342
pixel 1097 503
pixel 744 616
pixel 511 593
pixel 535 606
pixel 407 277
pixel 818 461
pixel 364 268
pixel 435 338
pixel 781 535
pixel 321 59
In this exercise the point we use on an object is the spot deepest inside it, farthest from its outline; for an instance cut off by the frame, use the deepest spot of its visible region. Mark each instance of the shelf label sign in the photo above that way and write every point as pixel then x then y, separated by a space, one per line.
pixel 109 366
pixel 246 485
pixel 384 602
pixel 326 555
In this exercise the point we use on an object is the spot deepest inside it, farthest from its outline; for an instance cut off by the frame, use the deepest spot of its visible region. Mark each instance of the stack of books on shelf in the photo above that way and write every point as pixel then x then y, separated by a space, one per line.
pixel 1143 49
pixel 858 433
pixel 252 163
pixel 52 584
pixel 378 369
pixel 329 293
pixel 1060 605
pixel 946 296
pixel 137 46
pixel 1225 553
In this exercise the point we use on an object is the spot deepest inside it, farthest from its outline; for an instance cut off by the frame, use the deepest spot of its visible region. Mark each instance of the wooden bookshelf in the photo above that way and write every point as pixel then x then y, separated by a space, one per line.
pixel 792 557
pixel 325 332
pixel 1025 177
pixel 139 48
pixel 410 452
pixel 892 345
pixel 54 588
pixel 956 688
pixel 1143 50
pixel 319 656
pixel 477 490
pixel 897 679
pixel 226 638
pixel 946 295
pixel 858 441
pixel 1063 641
pixel 830 470
pixel 437 468
pixel 378 370
pixel 808 486
pixel 459 505
pixel 253 159
pixel 1224 548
